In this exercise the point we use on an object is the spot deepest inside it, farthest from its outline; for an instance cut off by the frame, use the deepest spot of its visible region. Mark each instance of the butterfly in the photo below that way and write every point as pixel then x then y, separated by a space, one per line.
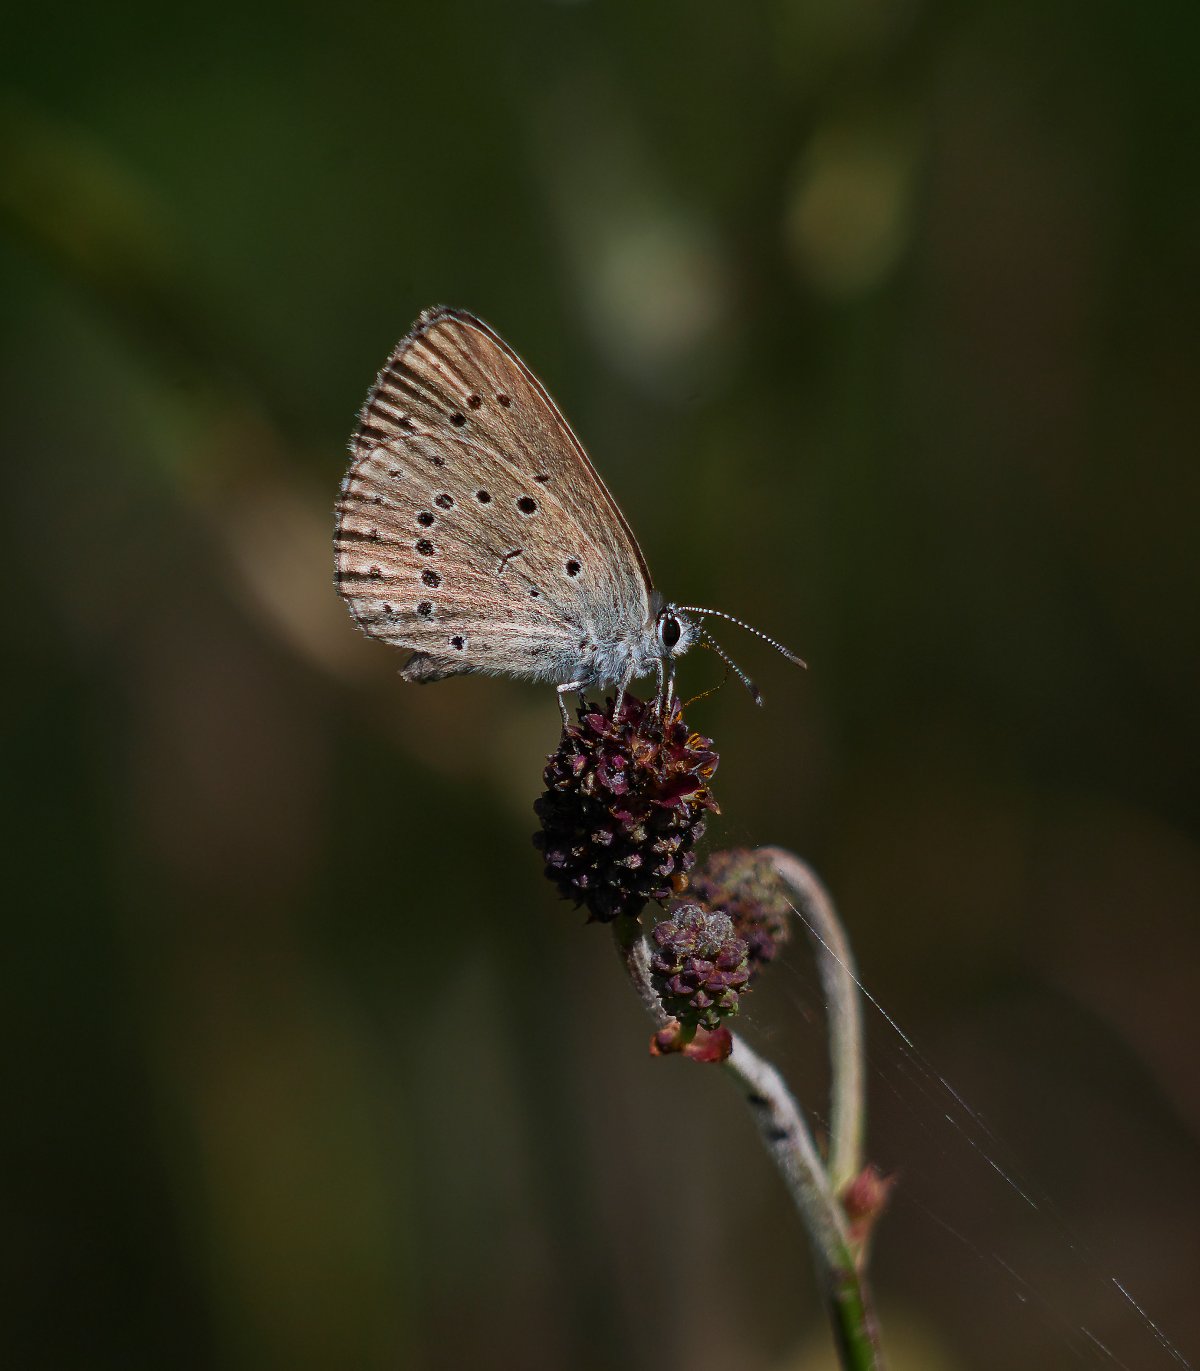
pixel 473 530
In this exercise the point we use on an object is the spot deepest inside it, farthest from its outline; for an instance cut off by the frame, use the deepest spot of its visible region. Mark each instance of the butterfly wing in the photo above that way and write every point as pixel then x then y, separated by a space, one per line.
pixel 471 526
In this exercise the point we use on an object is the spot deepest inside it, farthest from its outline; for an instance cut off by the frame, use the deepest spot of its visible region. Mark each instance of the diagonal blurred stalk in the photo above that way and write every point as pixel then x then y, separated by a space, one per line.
pixel 65 202
pixel 70 204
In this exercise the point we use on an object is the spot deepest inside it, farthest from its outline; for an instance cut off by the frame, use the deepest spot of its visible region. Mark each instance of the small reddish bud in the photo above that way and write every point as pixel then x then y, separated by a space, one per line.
pixel 702 1046
pixel 864 1200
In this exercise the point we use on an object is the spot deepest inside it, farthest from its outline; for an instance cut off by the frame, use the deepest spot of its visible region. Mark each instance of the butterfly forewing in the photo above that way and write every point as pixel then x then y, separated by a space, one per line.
pixel 471 526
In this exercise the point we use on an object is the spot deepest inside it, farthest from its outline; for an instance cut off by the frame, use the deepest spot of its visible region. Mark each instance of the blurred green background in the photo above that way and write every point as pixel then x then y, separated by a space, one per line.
pixel 880 320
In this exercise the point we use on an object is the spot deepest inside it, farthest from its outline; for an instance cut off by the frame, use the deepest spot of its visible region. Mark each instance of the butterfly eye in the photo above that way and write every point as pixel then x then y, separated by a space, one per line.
pixel 669 631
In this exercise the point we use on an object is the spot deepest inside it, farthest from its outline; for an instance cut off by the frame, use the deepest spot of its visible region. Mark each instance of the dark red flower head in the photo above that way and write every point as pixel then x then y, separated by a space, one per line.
pixel 698 965
pixel 624 806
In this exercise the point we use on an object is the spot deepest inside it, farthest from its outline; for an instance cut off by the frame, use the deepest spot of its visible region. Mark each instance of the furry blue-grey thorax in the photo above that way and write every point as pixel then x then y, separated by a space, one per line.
pixel 618 658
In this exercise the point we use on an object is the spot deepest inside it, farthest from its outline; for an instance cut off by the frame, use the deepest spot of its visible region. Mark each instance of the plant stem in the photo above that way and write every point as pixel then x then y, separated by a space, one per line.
pixel 815 1187
pixel 835 965
pixel 854 1327
pixel 788 1139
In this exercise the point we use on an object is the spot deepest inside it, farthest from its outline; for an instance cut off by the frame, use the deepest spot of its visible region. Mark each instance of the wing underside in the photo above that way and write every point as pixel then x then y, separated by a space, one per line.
pixel 471 526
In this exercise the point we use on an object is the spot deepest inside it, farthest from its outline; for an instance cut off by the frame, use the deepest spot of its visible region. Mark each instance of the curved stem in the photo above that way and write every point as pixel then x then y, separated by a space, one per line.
pixel 787 1138
pixel 835 965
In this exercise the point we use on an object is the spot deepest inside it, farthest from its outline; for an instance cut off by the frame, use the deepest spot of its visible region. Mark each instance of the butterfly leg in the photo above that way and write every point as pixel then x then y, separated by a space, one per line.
pixel 660 695
pixel 621 689
pixel 563 692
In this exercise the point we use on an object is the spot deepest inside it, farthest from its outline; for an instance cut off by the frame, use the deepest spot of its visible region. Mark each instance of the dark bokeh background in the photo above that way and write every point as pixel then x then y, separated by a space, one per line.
pixel 880 319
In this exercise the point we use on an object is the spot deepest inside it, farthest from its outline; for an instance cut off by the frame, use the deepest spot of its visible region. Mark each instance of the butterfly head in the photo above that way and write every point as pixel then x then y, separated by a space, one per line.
pixel 675 632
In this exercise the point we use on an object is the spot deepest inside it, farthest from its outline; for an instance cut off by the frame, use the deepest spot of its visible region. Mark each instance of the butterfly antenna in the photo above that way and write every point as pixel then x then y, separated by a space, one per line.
pixel 758 633
pixel 755 693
